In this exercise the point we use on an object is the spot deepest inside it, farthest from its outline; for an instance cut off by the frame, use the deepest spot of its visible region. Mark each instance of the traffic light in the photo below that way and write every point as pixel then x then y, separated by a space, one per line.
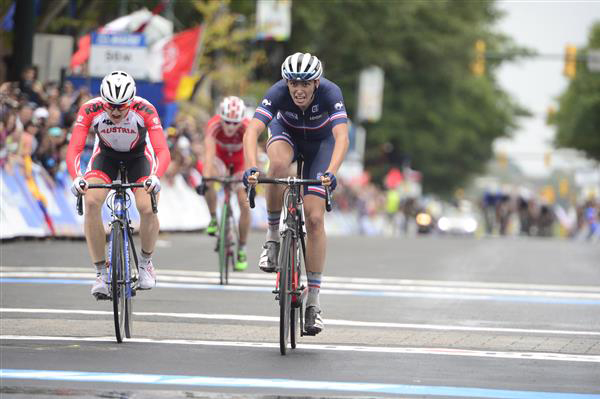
pixel 478 66
pixel 570 61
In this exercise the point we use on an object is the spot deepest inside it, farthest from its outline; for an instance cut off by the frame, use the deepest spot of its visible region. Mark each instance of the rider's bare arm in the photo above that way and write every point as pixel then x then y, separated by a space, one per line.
pixel 77 141
pixel 157 139
pixel 210 147
pixel 340 134
pixel 253 131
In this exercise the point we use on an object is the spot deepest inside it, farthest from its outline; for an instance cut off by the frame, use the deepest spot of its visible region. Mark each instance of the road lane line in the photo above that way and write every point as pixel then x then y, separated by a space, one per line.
pixel 327 291
pixel 332 322
pixel 342 286
pixel 546 356
pixel 280 383
pixel 350 280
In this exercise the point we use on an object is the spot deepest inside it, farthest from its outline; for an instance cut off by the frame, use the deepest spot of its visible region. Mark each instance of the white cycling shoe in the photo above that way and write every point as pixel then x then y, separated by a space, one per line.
pixel 100 288
pixel 147 277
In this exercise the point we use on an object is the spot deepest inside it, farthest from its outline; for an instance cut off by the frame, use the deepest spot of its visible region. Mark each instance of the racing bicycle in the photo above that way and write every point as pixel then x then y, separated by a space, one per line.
pixel 228 231
pixel 123 276
pixel 290 290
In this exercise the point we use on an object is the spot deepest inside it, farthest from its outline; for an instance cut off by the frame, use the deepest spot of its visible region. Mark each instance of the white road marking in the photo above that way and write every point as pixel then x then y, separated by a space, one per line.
pixel 341 348
pixel 333 283
pixel 333 322
pixel 359 280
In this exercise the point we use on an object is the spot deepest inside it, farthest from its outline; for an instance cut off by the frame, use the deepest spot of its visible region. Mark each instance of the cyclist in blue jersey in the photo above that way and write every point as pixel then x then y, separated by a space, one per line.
pixel 305 114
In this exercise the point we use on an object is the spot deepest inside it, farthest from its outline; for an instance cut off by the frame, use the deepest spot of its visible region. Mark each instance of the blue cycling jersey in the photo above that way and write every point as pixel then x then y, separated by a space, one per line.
pixel 315 123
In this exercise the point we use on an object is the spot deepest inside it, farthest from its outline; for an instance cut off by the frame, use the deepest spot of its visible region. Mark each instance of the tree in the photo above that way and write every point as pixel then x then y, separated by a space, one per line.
pixel 225 53
pixel 437 116
pixel 578 116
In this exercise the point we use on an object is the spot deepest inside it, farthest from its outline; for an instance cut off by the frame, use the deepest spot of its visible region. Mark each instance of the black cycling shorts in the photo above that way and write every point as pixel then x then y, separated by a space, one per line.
pixel 316 153
pixel 106 167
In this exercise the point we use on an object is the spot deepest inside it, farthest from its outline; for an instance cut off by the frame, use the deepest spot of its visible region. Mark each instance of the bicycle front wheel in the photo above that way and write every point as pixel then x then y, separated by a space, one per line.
pixel 296 298
pixel 223 245
pixel 128 286
pixel 285 289
pixel 117 285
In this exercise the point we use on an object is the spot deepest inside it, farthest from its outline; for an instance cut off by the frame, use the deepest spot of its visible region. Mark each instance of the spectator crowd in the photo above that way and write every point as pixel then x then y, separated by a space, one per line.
pixel 35 123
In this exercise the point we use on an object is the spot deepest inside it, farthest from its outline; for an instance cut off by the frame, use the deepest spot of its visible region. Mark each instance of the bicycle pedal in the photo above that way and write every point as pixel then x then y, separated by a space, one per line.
pixel 275 292
pixel 310 334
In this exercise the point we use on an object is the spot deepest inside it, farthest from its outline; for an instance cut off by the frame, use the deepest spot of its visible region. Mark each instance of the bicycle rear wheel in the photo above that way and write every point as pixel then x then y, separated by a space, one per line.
pixel 223 246
pixel 285 285
pixel 117 278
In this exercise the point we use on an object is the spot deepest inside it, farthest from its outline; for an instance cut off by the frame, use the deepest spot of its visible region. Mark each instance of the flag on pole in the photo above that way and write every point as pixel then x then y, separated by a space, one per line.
pixel 83 51
pixel 178 56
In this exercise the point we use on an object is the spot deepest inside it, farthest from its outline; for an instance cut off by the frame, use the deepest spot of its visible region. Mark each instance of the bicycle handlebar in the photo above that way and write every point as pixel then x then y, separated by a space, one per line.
pixel 224 180
pixel 290 181
pixel 115 185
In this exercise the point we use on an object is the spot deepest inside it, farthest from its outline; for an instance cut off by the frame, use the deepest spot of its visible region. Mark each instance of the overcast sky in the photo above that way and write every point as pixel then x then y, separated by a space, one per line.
pixel 546 26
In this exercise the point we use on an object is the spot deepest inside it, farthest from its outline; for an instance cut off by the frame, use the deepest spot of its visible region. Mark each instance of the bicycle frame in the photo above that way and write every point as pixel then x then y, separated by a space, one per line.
pixel 119 247
pixel 290 294
pixel 228 229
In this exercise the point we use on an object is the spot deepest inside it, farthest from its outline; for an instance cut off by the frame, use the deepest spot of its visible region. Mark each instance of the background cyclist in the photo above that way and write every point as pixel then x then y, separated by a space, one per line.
pixel 306 115
pixel 127 129
pixel 223 147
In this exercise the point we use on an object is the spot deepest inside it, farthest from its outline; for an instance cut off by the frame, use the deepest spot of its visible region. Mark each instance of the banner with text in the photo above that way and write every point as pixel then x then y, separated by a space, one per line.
pixel 119 51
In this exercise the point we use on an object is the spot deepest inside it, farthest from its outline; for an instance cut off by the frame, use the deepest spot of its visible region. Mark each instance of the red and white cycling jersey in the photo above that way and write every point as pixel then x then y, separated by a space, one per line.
pixel 138 133
pixel 225 143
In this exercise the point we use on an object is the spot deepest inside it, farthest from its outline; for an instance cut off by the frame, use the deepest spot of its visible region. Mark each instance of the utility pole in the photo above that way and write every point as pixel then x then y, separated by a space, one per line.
pixel 22 52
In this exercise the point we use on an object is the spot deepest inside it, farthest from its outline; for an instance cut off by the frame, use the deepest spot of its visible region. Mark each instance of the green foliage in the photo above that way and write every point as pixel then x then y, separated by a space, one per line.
pixel 436 115
pixel 578 117
pixel 225 54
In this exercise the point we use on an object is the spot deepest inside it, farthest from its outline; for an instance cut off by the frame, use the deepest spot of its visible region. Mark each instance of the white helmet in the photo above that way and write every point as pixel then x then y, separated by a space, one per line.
pixel 117 88
pixel 301 66
pixel 232 109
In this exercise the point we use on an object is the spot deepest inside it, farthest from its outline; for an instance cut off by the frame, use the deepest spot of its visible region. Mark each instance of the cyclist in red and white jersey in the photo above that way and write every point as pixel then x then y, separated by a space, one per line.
pixel 223 146
pixel 127 130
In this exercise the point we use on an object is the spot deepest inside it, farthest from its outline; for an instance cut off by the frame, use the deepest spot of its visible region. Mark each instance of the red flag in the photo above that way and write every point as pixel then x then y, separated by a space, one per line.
pixel 178 58
pixel 83 51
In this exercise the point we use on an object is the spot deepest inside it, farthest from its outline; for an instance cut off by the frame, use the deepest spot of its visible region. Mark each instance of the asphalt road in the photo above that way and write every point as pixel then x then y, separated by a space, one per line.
pixel 405 317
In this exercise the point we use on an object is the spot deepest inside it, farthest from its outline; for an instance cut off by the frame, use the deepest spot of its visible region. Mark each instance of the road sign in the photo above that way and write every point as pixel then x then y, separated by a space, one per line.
pixel 370 94
pixel 119 51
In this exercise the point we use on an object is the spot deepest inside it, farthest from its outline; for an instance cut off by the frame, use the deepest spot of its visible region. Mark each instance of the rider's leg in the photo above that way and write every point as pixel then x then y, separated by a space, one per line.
pixel 243 227
pixel 280 155
pixel 149 228
pixel 95 235
pixel 218 169
pixel 211 200
pixel 316 242
pixel 149 225
pixel 244 223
